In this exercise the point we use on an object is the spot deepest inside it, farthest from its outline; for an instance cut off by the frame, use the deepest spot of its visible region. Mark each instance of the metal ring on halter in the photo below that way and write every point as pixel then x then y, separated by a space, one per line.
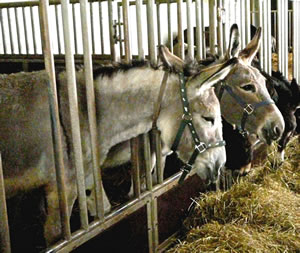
pixel 249 109
pixel 187 117
pixel 186 168
pixel 201 147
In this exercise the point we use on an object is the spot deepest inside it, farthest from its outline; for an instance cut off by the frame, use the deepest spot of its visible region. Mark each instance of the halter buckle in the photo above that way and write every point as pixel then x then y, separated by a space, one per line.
pixel 249 109
pixel 187 117
pixel 201 147
pixel 243 132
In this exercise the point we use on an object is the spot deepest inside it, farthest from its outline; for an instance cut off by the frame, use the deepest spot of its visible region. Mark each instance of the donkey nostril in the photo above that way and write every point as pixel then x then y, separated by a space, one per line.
pixel 277 132
pixel 88 193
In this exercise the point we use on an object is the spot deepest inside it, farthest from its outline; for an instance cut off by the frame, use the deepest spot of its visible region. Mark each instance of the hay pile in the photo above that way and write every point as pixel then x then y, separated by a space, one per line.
pixel 261 213
pixel 290 64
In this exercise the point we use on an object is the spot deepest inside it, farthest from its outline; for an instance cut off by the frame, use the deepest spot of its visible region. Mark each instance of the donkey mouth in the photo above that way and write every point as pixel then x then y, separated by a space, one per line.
pixel 267 136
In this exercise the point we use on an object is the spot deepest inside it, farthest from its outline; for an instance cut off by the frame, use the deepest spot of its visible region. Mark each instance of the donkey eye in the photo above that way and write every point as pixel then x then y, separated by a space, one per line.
pixel 249 87
pixel 209 119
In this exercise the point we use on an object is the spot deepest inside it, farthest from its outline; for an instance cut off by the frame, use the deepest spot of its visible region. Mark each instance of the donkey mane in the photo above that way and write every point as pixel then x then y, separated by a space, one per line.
pixel 190 68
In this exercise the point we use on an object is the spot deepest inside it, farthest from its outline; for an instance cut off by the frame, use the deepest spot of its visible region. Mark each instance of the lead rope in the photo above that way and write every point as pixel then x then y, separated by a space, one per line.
pixel 159 99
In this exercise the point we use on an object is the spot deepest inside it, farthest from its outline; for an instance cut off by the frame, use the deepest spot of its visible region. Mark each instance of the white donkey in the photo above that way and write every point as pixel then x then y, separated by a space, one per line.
pixel 125 98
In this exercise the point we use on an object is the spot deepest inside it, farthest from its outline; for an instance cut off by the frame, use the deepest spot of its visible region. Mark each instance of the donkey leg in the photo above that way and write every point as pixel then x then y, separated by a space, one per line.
pixel 52 226
pixel 91 198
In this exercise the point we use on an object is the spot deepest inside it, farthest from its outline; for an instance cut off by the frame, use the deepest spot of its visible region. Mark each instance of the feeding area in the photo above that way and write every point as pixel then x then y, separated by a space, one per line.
pixel 260 213
pixel 116 114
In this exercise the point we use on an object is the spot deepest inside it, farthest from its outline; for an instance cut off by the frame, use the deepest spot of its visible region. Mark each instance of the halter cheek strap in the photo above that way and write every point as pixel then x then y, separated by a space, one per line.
pixel 248 109
pixel 187 120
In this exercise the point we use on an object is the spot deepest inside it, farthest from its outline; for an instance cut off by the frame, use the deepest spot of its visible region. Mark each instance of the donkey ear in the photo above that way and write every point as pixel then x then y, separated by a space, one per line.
pixel 213 74
pixel 170 60
pixel 295 88
pixel 248 53
pixel 234 42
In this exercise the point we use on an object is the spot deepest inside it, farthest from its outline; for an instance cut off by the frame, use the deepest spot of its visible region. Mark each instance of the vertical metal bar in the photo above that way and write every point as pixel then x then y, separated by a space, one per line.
pixel 278 41
pixel 242 23
pixel 269 37
pixel 289 29
pixel 125 4
pixel 203 30
pixel 170 33
pixel 4 229
pixel 280 31
pixel 74 28
pixel 158 23
pixel 33 30
pixel 150 227
pixel 18 31
pixel 74 117
pixel 265 34
pixel 247 22
pixel 154 223
pixel 92 26
pixel 275 27
pixel 55 121
pixel 295 31
pixel 3 32
pixel 139 29
pixel 151 34
pixel 134 146
pixel 225 25
pixel 260 22
pixel 219 28
pixel 157 144
pixel 111 31
pixel 180 29
pixel 212 26
pixel 199 32
pixel 297 43
pixel 25 31
pixel 101 28
pixel 283 39
pixel 57 29
pixel 286 40
pixel 120 29
pixel 280 38
pixel 12 47
pixel 190 29
pixel 88 71
pixel 147 160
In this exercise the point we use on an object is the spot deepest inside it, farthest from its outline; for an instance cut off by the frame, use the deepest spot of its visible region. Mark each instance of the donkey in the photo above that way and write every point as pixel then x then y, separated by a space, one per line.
pixel 176 45
pixel 125 97
pixel 254 87
pixel 246 93
pixel 288 101
pixel 245 83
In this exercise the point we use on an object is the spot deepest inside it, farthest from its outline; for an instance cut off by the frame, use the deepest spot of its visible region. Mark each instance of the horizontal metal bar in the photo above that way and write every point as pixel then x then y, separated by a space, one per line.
pixel 97 227
pixel 36 3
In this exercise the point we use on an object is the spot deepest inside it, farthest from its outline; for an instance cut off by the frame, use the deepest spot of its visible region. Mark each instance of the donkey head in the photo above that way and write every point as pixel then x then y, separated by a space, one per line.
pixel 205 113
pixel 247 95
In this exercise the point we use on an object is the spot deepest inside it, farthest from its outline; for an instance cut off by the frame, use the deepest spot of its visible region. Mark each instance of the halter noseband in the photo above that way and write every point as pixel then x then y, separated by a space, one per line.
pixel 247 108
pixel 187 120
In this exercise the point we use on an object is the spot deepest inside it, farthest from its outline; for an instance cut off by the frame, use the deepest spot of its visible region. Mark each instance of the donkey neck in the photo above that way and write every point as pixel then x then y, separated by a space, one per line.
pixel 126 101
